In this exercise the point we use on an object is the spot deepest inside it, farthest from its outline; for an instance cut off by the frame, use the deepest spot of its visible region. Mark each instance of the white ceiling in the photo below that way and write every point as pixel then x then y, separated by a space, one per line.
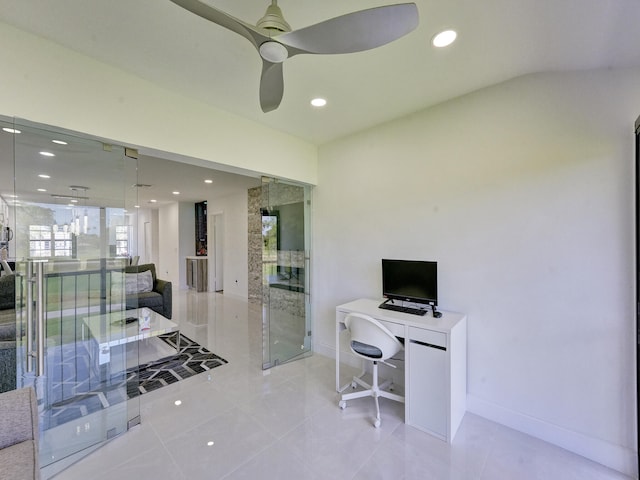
pixel 498 40
pixel 108 175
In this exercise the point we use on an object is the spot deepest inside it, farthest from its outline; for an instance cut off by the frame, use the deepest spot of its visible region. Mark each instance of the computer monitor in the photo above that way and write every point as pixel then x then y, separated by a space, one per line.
pixel 410 281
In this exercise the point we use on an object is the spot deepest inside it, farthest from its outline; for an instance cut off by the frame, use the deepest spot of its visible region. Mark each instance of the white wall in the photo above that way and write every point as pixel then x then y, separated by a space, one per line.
pixel 139 219
pixel 168 266
pixel 235 241
pixel 174 228
pixel 523 193
pixel 44 82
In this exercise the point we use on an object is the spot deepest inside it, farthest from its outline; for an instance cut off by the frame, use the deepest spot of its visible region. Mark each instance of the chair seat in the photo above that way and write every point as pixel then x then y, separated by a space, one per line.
pixel 366 349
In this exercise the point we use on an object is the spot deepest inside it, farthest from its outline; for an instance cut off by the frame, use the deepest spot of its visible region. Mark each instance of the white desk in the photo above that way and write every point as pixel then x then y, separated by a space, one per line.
pixel 435 373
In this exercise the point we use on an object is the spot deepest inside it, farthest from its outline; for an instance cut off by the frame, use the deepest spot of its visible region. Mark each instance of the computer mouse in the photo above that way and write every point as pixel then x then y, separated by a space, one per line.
pixel 437 314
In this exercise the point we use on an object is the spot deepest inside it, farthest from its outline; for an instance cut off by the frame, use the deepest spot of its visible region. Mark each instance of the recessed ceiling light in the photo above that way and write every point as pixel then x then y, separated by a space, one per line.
pixel 208 181
pixel 42 189
pixel 318 102
pixel 11 130
pixel 444 38
pixel 60 142
pixel 177 403
pixel 47 154
pixel 176 193
pixel 210 443
pixel 42 175
pixel 74 201
pixel 136 206
pixel 153 200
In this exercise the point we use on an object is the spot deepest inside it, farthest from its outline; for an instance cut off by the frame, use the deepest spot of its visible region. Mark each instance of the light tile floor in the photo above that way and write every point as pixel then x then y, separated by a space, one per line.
pixel 285 423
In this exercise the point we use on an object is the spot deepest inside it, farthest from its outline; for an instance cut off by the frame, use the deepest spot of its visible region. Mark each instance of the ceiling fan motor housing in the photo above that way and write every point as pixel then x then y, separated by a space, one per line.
pixel 273 20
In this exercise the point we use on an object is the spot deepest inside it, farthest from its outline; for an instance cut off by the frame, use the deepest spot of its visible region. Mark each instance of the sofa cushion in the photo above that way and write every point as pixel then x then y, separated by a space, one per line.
pixel 147 299
pixel 8 330
pixel 7 367
pixel 16 420
pixel 8 291
pixel 18 461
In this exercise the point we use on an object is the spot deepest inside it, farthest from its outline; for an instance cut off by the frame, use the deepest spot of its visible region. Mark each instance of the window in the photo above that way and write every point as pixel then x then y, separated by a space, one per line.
pixel 63 244
pixel 39 241
pixel 44 242
pixel 122 240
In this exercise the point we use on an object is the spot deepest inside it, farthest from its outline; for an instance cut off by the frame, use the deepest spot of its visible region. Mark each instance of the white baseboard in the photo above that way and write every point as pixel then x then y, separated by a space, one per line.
pixel 619 458
pixel 324 350
pixel 346 358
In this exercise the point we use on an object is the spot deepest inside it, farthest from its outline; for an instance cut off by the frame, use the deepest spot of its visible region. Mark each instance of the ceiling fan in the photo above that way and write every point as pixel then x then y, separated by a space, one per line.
pixel 275 41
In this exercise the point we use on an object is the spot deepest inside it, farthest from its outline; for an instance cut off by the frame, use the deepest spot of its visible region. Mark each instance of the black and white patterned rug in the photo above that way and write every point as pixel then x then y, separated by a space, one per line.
pixel 77 387
pixel 192 359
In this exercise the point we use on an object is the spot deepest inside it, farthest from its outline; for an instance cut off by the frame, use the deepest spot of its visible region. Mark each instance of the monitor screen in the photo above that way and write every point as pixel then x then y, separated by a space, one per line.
pixel 410 280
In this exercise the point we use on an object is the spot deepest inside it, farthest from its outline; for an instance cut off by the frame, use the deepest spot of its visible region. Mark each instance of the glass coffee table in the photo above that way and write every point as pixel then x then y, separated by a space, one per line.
pixel 123 327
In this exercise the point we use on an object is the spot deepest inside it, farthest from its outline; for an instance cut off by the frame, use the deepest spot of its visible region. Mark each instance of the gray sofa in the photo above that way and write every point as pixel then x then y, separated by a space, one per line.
pixel 159 299
pixel 7 333
pixel 19 435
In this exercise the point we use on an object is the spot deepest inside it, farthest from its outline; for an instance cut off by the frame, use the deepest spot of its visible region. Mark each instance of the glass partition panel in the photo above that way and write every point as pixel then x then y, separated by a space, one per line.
pixel 285 272
pixel 68 216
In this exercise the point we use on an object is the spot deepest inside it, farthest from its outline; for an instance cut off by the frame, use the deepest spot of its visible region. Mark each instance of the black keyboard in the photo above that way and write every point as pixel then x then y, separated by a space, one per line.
pixel 400 308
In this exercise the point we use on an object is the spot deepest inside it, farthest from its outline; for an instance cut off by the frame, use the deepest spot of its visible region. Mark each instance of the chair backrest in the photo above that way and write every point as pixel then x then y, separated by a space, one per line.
pixel 369 331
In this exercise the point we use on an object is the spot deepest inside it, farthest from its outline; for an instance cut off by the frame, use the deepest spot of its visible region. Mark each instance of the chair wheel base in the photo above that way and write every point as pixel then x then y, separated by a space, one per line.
pixel 377 423
pixel 342 404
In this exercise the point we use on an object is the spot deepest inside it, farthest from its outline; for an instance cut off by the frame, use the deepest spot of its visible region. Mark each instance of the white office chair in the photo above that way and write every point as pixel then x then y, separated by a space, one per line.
pixel 374 342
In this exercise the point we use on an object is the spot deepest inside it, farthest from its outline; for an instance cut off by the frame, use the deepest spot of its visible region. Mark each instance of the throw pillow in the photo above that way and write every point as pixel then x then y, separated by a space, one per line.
pixel 138 282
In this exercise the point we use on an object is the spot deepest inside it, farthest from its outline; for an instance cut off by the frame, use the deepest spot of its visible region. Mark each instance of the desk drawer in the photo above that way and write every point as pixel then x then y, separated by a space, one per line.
pixel 395 328
pixel 430 337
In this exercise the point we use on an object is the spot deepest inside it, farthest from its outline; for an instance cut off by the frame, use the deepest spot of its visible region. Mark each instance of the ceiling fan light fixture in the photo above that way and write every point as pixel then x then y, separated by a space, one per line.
pixel 444 38
pixel 273 52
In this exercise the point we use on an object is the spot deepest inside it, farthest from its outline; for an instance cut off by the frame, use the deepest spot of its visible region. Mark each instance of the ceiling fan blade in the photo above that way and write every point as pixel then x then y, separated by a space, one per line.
pixel 271 86
pixel 354 32
pixel 225 20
